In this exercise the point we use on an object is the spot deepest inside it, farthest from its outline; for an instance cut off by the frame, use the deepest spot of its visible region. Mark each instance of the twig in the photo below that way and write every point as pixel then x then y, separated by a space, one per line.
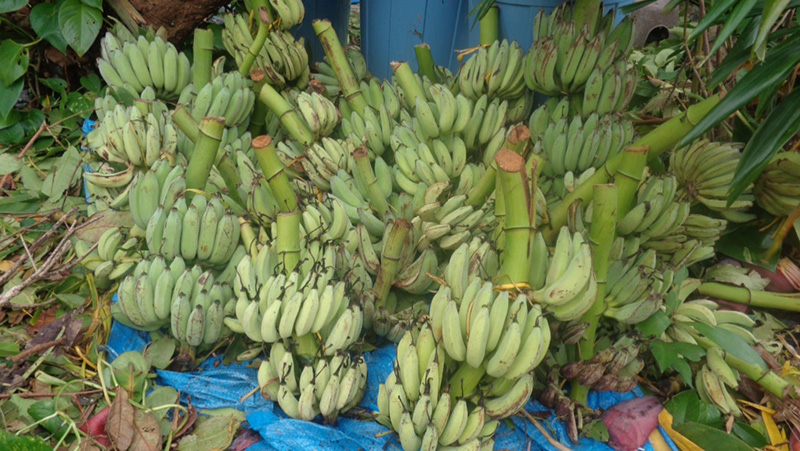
pixel 33 139
pixel 553 442
pixel 31 306
pixel 38 348
pixel 28 251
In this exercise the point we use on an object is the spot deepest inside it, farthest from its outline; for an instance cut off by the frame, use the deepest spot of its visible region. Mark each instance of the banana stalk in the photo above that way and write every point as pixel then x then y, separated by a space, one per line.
pixel 601 237
pixel 202 47
pixel 341 66
pixel 517 196
pixel 366 175
pixel 288 239
pixel 205 151
pixel 294 124
pixel 659 140
pixel 517 140
pixel 767 379
pixel 489 26
pixel 755 298
pixel 425 62
pixel 390 260
pixel 184 120
pixel 258 42
pixel 275 173
pixel 628 177
pixel 407 80
pixel 258 118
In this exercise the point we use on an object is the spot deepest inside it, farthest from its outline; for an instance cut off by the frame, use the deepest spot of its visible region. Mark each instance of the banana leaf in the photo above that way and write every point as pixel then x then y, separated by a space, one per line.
pixel 737 16
pixel 717 10
pixel 779 63
pixel 782 123
pixel 773 9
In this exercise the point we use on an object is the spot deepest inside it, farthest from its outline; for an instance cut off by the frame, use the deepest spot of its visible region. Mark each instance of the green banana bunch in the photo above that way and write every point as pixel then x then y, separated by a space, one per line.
pixel 282 59
pixel 259 201
pixel 576 145
pixel 713 388
pixel 161 186
pixel 102 198
pixel 113 258
pixel 496 70
pixel 374 129
pixel 416 404
pixel 198 308
pixel 776 189
pixel 692 242
pixel 290 12
pixel 607 90
pixel 563 57
pixel 306 303
pixel 449 223
pixel 229 95
pixel 319 113
pixel 354 196
pixel 144 297
pixel 636 287
pixel 324 159
pixel 201 231
pixel 611 369
pixel 133 65
pixel 127 136
pixel 379 95
pixel 332 385
pixel 570 286
pixel 707 312
pixel 443 161
pixel 325 76
pixel 657 213
pixel 705 171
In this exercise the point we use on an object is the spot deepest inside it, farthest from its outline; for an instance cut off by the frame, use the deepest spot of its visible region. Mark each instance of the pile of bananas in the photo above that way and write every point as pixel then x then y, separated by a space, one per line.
pixel 451 223
pixel 290 12
pixel 131 137
pixel 636 287
pixel 331 386
pixel 319 113
pixel 282 59
pixel 131 65
pixel 776 189
pixel 255 192
pixel 114 257
pixel 324 76
pixel 374 128
pixel 705 171
pixel 563 56
pixel 229 96
pixel 496 71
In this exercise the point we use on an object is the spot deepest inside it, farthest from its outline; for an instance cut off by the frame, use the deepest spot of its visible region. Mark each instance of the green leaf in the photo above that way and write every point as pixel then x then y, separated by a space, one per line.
pixel 91 83
pixel 655 325
pixel 12 135
pixel 7 6
pixel 673 356
pixel 716 11
pixel 13 61
pixel 731 343
pixel 9 163
pixel 44 21
pixel 13 442
pixel 79 24
pixel 777 66
pixel 596 430
pixel 773 9
pixel 781 124
pixel 58 85
pixel 8 97
pixel 736 17
pixel 749 435
pixel 687 406
pixel 738 55
pixel 707 437
pixel 214 432
pixel 748 242
pixel 94 3
pixel 66 173
pixel 159 352
pixel 8 349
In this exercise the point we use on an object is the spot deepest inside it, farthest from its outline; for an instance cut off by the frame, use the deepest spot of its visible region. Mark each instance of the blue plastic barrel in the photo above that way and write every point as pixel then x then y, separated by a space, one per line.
pixel 391 28
pixel 337 11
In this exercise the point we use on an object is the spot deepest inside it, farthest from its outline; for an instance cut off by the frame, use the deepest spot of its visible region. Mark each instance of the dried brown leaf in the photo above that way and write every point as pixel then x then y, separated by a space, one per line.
pixel 120 425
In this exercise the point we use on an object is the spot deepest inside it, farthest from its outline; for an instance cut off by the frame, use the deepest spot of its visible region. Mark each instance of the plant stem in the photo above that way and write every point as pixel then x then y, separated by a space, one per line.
pixel 765 378
pixel 425 62
pixel 288 240
pixel 259 116
pixel 755 298
pixel 601 237
pixel 365 174
pixel 517 140
pixel 489 25
pixel 514 183
pixel 292 121
pixel 201 67
pixel 184 120
pixel 258 42
pixel 390 260
pixel 275 173
pixel 205 152
pixel 338 60
pixel 659 140
pixel 628 177
pixel 408 83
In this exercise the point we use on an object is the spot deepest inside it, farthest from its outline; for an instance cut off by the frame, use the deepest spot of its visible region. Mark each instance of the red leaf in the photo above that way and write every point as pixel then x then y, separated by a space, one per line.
pixel 629 423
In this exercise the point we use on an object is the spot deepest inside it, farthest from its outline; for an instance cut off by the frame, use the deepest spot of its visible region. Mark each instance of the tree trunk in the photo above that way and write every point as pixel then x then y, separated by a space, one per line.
pixel 178 17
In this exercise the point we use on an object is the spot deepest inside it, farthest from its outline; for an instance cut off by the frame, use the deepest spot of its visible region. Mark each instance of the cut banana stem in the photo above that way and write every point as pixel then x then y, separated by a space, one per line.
pixel 289 117
pixel 754 298
pixel 365 174
pixel 628 178
pixel 390 260
pixel 257 45
pixel 288 240
pixel 275 173
pixel 517 192
pixel 203 47
pixel 425 63
pixel 182 117
pixel 408 82
pixel 341 65
pixel 489 25
pixel 205 151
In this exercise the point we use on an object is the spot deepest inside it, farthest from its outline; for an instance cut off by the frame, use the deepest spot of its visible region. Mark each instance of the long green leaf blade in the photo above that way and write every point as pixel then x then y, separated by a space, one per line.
pixel 737 56
pixel 737 16
pixel 711 17
pixel 773 9
pixel 769 138
pixel 775 68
